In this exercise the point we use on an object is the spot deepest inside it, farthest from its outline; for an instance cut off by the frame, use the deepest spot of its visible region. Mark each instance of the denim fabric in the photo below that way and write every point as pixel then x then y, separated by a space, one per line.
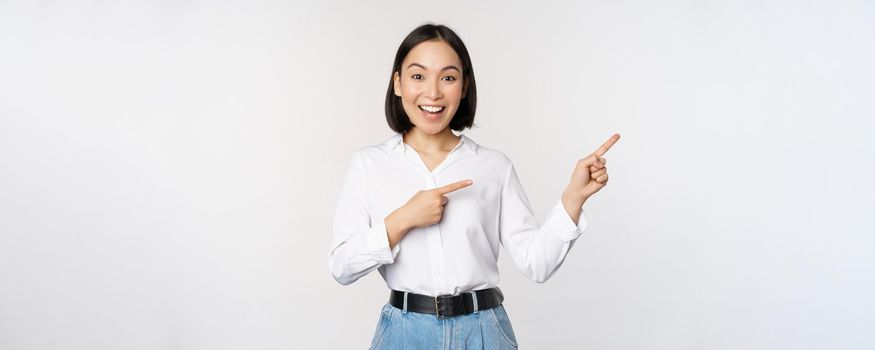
pixel 485 329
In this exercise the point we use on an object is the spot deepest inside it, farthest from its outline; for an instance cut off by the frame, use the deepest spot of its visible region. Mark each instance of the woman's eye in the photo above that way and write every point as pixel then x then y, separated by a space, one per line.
pixel 416 76
pixel 449 78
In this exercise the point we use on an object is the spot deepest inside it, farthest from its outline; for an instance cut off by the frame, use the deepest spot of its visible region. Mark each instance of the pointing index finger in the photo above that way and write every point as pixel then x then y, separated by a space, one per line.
pixel 607 145
pixel 454 186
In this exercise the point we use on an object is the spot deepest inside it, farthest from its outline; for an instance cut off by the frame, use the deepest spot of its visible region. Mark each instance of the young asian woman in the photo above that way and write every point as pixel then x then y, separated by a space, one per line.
pixel 429 208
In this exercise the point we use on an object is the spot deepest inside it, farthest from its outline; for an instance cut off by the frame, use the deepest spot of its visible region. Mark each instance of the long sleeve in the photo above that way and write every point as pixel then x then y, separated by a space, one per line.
pixel 359 245
pixel 536 250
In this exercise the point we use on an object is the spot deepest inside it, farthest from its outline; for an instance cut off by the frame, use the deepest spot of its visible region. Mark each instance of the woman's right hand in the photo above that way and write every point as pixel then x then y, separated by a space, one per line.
pixel 425 208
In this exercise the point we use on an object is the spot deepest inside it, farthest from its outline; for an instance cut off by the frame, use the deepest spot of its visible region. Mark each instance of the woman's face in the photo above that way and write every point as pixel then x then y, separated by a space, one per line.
pixel 430 85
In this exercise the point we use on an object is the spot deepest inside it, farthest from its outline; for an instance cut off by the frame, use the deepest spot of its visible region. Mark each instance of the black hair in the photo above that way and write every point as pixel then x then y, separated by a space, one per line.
pixel 464 117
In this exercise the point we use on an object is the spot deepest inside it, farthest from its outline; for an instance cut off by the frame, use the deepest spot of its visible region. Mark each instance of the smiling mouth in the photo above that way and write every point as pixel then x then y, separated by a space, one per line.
pixel 431 109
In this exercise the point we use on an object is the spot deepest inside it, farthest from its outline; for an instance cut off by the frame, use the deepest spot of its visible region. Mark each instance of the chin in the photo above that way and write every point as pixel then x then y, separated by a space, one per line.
pixel 431 129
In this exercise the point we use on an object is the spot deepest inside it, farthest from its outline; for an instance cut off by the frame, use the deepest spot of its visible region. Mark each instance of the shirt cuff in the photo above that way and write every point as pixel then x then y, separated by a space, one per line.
pixel 377 240
pixel 560 222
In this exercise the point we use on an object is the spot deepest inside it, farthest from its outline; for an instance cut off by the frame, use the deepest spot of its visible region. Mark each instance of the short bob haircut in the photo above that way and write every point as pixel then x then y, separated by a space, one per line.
pixel 464 117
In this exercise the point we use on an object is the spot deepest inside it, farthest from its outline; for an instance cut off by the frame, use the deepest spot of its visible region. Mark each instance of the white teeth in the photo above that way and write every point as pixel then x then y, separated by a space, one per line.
pixel 431 109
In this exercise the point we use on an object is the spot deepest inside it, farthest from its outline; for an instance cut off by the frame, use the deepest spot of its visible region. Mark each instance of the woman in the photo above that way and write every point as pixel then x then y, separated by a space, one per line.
pixel 428 209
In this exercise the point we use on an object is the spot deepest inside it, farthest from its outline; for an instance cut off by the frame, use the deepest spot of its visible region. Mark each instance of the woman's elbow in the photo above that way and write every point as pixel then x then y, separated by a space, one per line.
pixel 540 275
pixel 539 278
pixel 337 271
pixel 342 279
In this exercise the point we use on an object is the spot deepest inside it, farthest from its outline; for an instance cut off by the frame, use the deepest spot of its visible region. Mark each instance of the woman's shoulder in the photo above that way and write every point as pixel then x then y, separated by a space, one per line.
pixel 379 155
pixel 485 153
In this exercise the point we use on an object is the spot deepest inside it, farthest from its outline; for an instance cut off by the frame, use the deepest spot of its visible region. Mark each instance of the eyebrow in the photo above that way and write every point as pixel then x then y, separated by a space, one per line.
pixel 443 69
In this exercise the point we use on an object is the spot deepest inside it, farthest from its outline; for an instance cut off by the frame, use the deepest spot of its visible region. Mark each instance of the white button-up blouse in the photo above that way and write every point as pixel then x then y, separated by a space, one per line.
pixel 459 253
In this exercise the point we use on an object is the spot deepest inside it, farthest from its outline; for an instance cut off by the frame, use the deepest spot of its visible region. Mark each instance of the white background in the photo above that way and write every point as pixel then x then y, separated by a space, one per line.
pixel 169 170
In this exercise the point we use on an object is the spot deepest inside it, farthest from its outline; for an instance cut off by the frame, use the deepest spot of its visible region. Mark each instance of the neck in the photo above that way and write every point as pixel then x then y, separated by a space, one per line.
pixel 443 141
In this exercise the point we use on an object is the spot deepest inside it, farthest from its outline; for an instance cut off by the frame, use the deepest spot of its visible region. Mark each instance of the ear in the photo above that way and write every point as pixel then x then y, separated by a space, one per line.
pixel 397 79
pixel 465 88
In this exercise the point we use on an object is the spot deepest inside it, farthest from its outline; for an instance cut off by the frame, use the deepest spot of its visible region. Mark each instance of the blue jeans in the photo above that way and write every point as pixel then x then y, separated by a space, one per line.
pixel 484 329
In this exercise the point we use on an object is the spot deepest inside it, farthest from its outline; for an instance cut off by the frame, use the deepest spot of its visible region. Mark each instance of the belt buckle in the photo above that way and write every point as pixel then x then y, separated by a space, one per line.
pixel 437 309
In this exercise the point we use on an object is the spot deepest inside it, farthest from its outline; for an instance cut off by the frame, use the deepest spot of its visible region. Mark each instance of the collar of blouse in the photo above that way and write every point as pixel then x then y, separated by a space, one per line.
pixel 394 143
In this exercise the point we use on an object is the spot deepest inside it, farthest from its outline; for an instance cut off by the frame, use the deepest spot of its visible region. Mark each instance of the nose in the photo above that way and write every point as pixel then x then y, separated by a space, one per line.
pixel 433 91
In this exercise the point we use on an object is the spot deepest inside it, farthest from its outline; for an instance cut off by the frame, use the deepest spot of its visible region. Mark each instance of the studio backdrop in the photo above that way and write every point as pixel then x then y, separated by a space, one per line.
pixel 169 170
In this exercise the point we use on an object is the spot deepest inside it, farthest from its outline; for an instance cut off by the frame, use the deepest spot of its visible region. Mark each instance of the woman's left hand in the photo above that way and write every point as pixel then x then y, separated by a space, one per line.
pixel 590 174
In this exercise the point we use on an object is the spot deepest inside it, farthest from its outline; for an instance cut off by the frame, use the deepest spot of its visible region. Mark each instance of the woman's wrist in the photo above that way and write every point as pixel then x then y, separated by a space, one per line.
pixel 573 204
pixel 573 199
pixel 396 228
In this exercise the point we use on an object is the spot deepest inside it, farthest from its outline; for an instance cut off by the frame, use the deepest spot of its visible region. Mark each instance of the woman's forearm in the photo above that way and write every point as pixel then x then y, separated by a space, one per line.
pixel 572 204
pixel 396 228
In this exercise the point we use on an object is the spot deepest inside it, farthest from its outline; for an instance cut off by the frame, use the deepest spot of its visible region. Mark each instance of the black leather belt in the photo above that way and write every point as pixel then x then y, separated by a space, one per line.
pixel 448 305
